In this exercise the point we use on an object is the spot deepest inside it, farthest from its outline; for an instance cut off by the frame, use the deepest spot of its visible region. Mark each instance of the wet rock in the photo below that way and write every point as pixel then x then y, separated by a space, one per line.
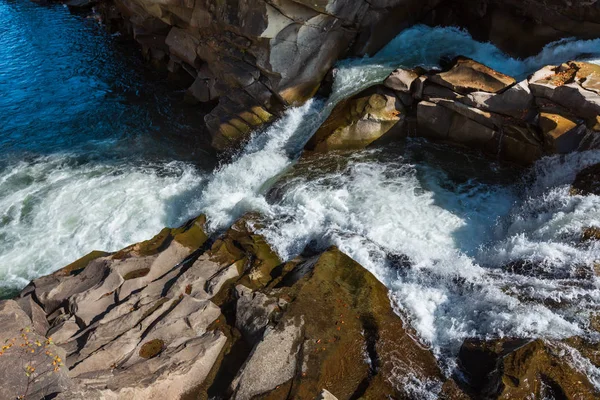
pixel 261 56
pixel 520 28
pixel 509 369
pixel 359 121
pixel 230 321
pixel 587 181
pixel 353 343
pixel 467 76
pixel 590 234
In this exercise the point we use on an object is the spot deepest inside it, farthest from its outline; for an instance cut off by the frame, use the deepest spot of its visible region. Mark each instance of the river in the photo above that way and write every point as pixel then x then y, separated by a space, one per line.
pixel 95 155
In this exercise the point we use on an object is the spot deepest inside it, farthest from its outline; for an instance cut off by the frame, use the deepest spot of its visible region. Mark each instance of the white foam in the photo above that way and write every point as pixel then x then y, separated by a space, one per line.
pixel 457 235
pixel 54 210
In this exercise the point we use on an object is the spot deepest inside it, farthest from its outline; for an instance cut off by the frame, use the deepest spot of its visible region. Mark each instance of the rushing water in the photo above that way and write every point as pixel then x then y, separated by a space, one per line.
pixel 93 157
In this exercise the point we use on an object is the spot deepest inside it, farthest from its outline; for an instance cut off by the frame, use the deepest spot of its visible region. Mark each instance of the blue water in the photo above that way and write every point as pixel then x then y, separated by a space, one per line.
pixel 96 152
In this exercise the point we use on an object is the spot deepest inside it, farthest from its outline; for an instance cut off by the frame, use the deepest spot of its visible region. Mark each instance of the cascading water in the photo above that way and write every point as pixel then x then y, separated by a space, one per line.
pixel 439 230
pixel 433 228
pixel 86 159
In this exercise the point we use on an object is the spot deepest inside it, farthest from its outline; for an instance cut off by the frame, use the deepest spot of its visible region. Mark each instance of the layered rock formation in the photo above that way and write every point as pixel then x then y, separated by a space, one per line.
pixel 182 317
pixel 556 110
pixel 253 58
pixel 256 57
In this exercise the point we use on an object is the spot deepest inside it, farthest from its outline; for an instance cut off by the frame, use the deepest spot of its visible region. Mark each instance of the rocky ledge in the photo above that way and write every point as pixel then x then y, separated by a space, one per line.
pixel 185 316
pixel 554 111
pixel 248 60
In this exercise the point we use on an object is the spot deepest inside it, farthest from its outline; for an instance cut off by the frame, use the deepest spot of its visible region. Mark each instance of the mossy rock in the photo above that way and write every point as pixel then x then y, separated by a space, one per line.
pixel 520 368
pixel 152 348
pixel 191 235
pixel 138 273
pixel 242 241
pixel 79 265
pixel 348 317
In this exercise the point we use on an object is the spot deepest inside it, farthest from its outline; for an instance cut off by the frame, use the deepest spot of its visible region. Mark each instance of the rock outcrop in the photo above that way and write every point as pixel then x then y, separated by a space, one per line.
pixel 182 316
pixel 256 57
pixel 248 60
pixel 555 111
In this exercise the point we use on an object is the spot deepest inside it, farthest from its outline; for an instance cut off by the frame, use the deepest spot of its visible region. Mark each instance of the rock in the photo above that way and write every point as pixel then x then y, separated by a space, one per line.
pixel 563 85
pixel 561 135
pixel 35 313
pixel 272 362
pixel 231 321
pixel 253 312
pixel 467 76
pixel 401 80
pixel 587 181
pixel 326 395
pixel 359 121
pixel 520 28
pixel 353 342
pixel 260 55
pixel 30 365
pixel 438 122
pixel 509 369
pixel 591 233
pixel 517 101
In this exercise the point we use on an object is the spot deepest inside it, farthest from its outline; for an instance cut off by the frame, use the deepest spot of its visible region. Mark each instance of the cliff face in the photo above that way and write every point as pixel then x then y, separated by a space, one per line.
pixel 252 58
pixel 257 56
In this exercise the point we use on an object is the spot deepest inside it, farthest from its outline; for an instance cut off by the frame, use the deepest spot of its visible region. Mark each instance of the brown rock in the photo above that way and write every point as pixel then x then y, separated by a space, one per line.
pixel 561 135
pixel 512 369
pixel 359 121
pixel 467 76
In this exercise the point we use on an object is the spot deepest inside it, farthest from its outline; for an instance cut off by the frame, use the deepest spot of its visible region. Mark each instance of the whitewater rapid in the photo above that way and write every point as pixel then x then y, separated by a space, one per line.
pixel 436 227
pixel 439 231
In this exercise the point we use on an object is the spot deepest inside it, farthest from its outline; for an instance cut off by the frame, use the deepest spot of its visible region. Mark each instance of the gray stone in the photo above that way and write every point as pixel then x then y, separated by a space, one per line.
pixel 272 361
pixel 252 313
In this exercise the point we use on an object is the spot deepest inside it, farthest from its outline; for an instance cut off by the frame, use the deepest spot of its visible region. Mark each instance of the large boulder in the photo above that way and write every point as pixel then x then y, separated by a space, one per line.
pixel 360 120
pixel 229 320
pixel 336 331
